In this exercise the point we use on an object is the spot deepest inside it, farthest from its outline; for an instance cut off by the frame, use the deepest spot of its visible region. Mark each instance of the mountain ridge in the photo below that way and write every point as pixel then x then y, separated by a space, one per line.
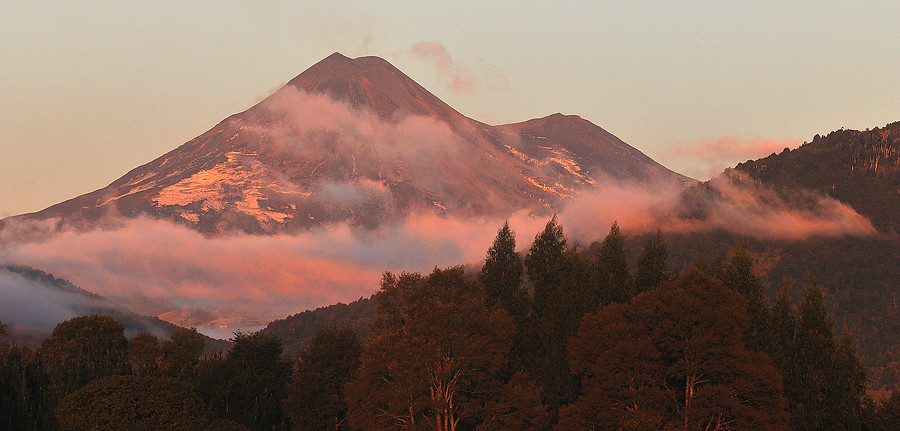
pixel 63 296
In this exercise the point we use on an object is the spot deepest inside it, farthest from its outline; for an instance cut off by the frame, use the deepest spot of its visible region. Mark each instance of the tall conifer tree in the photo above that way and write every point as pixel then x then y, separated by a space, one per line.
pixel 315 397
pixel 830 381
pixel 653 266
pixel 738 275
pixel 782 325
pixel 545 262
pixel 564 290
pixel 613 275
pixel 501 277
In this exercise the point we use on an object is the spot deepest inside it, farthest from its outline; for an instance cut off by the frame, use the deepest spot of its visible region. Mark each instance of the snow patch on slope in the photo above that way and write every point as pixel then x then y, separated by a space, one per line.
pixel 241 183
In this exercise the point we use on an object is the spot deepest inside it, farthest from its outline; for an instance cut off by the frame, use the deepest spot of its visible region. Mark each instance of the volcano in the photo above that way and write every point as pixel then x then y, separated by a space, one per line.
pixel 358 141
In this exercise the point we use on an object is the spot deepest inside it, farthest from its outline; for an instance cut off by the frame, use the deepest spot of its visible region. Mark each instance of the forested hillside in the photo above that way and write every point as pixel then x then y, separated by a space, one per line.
pixel 296 331
pixel 858 277
pixel 860 168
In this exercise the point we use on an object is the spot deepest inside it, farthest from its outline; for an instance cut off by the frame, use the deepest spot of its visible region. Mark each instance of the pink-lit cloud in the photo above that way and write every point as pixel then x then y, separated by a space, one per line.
pixel 742 205
pixel 707 158
pixel 458 77
pixel 731 202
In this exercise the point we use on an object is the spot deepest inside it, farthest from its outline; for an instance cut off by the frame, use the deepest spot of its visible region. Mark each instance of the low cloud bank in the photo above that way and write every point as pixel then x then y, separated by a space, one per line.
pixel 731 202
pixel 155 267
pixel 734 202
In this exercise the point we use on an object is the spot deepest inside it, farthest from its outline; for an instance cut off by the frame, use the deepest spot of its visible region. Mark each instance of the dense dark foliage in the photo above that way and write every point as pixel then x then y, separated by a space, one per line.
pixel 614 281
pixel 248 384
pixel 564 291
pixel 435 357
pixel 673 358
pixel 316 393
pixel 501 277
pixel 858 277
pixel 132 403
pixel 82 349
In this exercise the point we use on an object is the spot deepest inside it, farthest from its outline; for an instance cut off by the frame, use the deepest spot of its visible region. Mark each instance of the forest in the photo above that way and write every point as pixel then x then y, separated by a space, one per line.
pixel 557 337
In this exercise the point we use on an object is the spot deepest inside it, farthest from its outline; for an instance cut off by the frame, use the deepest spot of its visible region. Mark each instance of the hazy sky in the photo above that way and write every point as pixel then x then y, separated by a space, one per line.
pixel 90 90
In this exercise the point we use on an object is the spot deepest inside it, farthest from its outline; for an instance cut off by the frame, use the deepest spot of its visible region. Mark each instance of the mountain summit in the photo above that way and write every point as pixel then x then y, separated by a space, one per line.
pixel 374 83
pixel 356 140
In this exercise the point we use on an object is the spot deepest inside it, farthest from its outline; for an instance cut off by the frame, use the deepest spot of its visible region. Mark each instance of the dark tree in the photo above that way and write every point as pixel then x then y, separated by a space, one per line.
pixel 613 275
pixel 673 359
pixel 780 346
pixel 545 261
pixel 144 353
pixel 887 414
pixel 26 393
pixel 213 385
pixel 252 381
pixel 518 407
pixel 82 349
pixel 316 394
pixel 653 264
pixel 564 290
pixel 433 358
pixel 814 348
pixel 702 264
pixel 4 346
pixel 845 387
pixel 737 274
pixel 181 354
pixel 501 277
pixel 828 387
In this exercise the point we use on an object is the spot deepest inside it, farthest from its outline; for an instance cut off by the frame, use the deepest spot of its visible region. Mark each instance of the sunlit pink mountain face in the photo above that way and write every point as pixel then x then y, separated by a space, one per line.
pixel 357 141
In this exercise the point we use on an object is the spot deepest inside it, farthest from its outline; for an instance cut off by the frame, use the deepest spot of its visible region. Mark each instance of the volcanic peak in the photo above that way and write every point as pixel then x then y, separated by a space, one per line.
pixel 374 83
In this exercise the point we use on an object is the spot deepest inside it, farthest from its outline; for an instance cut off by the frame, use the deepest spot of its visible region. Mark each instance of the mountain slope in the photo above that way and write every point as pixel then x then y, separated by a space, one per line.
pixel 356 140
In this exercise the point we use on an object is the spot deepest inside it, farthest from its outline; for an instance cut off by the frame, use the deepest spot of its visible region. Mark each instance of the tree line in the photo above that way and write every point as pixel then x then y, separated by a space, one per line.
pixel 557 337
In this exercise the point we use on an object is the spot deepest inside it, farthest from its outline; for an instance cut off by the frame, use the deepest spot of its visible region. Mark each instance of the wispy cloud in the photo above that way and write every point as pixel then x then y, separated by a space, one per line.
pixel 707 158
pixel 459 78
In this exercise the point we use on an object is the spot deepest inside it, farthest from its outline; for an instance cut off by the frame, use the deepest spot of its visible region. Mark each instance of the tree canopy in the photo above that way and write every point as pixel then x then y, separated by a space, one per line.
pixel 673 357
pixel 434 355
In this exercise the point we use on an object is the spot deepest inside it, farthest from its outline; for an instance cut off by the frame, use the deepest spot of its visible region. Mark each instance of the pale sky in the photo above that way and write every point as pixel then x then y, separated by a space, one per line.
pixel 90 90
